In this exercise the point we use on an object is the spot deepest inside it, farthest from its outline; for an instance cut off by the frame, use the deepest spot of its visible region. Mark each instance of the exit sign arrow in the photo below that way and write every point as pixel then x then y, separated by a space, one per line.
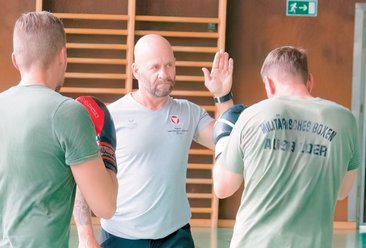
pixel 302 8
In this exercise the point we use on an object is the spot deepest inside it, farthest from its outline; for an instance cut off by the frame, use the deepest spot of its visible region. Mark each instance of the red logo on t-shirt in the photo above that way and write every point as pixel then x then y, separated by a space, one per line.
pixel 175 119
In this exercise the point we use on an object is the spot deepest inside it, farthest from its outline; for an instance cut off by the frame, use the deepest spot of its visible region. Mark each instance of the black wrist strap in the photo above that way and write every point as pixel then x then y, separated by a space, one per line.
pixel 225 98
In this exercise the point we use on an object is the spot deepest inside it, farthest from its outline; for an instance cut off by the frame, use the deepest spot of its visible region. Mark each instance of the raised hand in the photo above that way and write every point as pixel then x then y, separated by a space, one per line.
pixel 219 80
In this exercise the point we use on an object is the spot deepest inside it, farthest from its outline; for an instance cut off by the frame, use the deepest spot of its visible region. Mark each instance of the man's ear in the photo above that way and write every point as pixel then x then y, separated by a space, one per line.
pixel 62 57
pixel 14 60
pixel 134 68
pixel 269 86
pixel 310 83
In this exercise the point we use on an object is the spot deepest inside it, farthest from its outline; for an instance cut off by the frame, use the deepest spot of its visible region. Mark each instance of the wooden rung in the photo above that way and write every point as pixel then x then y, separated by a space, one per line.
pixel 39 4
pixel 84 90
pixel 201 210
pixel 190 78
pixel 191 93
pixel 200 195
pixel 193 64
pixel 200 152
pixel 193 49
pixel 146 18
pixel 96 46
pixel 199 166
pixel 92 16
pixel 202 223
pixel 95 31
pixel 97 61
pixel 201 35
pixel 95 75
pixel 199 181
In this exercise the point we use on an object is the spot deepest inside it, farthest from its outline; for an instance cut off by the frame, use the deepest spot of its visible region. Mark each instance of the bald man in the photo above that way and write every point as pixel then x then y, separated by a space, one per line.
pixel 154 135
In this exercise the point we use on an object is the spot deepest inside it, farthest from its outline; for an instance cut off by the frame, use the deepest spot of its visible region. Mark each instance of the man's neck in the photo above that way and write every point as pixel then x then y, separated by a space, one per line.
pixel 297 90
pixel 37 77
pixel 149 101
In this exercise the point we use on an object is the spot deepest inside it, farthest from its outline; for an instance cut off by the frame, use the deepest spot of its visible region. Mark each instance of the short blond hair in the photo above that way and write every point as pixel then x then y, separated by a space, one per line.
pixel 37 38
pixel 287 60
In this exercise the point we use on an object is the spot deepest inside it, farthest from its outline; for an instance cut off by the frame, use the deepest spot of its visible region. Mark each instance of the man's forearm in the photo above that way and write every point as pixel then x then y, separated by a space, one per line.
pixel 82 218
pixel 81 213
pixel 222 107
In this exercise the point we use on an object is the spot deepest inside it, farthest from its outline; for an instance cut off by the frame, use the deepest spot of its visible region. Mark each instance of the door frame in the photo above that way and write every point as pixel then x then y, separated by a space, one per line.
pixel 356 200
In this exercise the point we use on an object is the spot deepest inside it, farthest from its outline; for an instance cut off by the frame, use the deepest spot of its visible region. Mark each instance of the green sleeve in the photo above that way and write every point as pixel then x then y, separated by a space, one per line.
pixel 75 132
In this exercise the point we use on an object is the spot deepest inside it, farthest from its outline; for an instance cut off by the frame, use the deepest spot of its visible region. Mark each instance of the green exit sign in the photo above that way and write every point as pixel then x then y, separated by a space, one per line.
pixel 302 8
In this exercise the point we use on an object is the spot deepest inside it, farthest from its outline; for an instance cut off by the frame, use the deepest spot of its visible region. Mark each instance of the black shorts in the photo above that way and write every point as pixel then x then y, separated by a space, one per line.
pixel 182 238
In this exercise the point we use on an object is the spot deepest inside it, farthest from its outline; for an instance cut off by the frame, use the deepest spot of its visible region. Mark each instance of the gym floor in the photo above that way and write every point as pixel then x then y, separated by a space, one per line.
pixel 220 238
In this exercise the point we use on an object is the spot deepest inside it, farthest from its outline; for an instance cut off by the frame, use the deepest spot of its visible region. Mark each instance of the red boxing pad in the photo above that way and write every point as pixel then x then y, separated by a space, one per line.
pixel 104 128
pixel 95 112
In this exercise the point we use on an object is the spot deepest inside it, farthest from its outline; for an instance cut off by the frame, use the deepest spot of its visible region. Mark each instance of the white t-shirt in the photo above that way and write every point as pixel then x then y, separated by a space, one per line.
pixel 152 155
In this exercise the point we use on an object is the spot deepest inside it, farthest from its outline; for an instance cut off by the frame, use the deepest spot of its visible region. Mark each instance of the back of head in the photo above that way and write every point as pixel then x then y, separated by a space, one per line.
pixel 37 38
pixel 286 61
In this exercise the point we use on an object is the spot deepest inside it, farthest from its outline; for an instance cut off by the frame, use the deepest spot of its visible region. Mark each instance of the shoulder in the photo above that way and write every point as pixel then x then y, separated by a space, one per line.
pixel 177 101
pixel 70 109
pixel 333 104
pixel 118 103
pixel 184 103
pixel 335 110
pixel 188 107
pixel 7 91
pixel 193 111
pixel 69 104
pixel 262 106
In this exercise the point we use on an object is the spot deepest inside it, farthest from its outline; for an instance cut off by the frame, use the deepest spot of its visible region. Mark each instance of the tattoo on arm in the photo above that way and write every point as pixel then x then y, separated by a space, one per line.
pixel 82 213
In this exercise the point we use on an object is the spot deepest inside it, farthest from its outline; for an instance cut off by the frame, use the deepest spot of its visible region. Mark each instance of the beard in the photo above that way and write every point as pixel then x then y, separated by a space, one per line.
pixel 162 88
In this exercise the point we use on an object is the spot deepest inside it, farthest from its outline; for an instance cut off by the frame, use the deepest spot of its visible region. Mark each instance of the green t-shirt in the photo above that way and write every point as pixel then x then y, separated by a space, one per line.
pixel 42 134
pixel 293 154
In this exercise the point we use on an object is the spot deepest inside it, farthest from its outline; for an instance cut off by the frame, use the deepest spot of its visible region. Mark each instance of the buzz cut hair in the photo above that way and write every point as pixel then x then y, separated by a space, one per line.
pixel 37 38
pixel 287 60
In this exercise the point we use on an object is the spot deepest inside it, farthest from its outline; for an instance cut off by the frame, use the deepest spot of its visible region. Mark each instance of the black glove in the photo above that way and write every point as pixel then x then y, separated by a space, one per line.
pixel 224 125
